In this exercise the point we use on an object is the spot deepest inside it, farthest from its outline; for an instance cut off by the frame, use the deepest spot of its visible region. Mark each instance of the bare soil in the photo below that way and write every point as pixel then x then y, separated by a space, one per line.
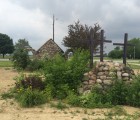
pixel 11 110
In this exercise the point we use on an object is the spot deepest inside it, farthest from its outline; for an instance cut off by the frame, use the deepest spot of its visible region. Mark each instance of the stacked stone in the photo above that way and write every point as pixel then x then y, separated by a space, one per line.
pixel 89 81
pixel 103 76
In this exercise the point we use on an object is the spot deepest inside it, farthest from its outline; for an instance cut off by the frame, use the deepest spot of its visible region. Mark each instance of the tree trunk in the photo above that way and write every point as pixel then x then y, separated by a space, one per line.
pixel 3 55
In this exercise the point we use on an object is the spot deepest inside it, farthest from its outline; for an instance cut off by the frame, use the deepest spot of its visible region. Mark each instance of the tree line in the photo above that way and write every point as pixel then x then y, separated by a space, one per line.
pixel 78 37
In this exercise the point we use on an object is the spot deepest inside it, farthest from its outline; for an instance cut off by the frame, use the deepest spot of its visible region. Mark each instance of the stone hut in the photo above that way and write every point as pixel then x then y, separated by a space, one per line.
pixel 49 49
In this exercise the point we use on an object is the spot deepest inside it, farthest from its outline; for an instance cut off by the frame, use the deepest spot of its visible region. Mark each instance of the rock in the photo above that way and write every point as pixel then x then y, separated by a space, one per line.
pixel 90 73
pixel 109 78
pixel 107 82
pixel 119 74
pixel 85 82
pixel 85 74
pixel 105 68
pixel 100 73
pixel 118 68
pixel 91 82
pixel 125 75
pixel 116 64
pixel 102 77
pixel 93 77
pixel 100 69
pixel 99 81
pixel 106 73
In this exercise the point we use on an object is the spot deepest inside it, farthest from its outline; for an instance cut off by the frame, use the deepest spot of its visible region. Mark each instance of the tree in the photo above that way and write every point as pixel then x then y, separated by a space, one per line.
pixel 6 44
pixel 78 36
pixel 22 44
pixel 20 59
pixel 116 53
pixel 130 49
pixel 20 56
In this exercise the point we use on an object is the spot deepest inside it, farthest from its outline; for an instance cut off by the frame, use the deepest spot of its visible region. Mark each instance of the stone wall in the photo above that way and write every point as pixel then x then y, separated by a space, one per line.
pixel 104 74
pixel 49 49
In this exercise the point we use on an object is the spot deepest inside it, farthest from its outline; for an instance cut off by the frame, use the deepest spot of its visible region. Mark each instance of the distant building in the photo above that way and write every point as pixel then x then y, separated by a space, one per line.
pixel 49 49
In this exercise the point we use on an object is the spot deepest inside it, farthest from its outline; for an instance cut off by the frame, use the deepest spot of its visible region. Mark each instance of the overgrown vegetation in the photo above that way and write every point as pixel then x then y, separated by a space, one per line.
pixel 61 79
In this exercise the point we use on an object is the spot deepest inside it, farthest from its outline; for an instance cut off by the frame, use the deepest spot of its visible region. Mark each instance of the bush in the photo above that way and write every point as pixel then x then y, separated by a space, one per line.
pixel 29 97
pixel 35 65
pixel 20 59
pixel 31 81
pixel 118 92
pixel 133 97
pixel 65 75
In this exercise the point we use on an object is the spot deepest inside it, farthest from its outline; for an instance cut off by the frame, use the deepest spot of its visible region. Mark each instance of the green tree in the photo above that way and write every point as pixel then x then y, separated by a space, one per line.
pixel 20 58
pixel 6 44
pixel 116 53
pixel 130 49
pixel 22 44
pixel 78 36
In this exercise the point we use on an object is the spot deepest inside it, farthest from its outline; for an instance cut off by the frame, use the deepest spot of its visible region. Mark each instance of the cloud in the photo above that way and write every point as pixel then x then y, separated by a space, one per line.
pixel 32 19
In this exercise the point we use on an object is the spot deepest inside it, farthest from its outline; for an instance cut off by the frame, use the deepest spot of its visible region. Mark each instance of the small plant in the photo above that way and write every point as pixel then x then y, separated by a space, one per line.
pixel 7 95
pixel 59 105
pixel 29 97
pixel 32 81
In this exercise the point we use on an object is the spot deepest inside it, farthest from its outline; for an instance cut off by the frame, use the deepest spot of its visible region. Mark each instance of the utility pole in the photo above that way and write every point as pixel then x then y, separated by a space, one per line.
pixel 53 26
pixel 134 52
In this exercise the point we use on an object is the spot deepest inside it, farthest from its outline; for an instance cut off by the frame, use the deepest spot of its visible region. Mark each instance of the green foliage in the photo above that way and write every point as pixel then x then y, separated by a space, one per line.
pixel 21 44
pixel 29 97
pixel 66 75
pixel 20 59
pixel 116 53
pixel 7 95
pixel 133 97
pixel 6 64
pixel 130 49
pixel 32 81
pixel 59 105
pixel 35 65
pixel 118 93
pixel 78 36
pixel 6 44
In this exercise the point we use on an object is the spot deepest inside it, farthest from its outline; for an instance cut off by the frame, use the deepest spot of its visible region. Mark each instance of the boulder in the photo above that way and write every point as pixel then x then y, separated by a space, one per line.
pixel 107 82
pixel 125 75
pixel 99 81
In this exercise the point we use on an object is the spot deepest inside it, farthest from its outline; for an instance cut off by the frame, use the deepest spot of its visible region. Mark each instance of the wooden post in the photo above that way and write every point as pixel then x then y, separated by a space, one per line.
pixel 91 48
pixel 125 44
pixel 101 46
pixel 125 48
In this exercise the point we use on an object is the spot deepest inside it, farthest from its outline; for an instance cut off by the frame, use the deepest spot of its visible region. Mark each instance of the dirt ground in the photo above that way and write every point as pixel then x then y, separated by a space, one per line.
pixel 10 110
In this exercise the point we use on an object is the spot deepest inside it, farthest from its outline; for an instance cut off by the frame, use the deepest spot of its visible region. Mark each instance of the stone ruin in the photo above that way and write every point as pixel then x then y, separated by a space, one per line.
pixel 103 76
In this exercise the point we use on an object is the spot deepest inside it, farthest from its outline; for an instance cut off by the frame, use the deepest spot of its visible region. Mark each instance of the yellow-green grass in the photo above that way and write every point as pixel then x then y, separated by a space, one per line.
pixel 6 64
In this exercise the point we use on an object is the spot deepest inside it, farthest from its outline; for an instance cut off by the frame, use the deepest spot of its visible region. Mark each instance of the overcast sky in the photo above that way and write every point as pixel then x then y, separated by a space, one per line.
pixel 32 19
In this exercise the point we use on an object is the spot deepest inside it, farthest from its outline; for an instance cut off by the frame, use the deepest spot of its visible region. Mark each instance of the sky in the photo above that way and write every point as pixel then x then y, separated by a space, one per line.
pixel 32 19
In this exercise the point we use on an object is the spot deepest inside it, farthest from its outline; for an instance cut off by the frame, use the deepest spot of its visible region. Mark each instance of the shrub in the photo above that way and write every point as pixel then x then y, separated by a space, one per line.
pixel 35 64
pixel 133 97
pixel 118 93
pixel 31 81
pixel 65 75
pixel 29 97
pixel 20 59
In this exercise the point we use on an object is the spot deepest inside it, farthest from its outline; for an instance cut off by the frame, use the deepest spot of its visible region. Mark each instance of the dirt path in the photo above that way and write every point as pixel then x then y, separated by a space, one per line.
pixel 10 110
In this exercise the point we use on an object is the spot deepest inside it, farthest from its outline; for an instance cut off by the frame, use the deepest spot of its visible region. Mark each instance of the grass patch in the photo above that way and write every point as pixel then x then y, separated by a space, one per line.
pixel 6 64
pixel 59 105
pixel 135 66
